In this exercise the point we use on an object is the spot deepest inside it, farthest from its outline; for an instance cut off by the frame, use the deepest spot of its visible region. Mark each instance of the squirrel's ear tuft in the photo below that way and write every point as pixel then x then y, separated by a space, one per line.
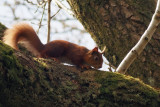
pixel 95 49
pixel 103 50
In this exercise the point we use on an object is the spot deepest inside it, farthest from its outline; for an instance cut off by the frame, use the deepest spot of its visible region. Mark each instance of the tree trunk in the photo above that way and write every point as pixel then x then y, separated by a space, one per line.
pixel 37 82
pixel 118 25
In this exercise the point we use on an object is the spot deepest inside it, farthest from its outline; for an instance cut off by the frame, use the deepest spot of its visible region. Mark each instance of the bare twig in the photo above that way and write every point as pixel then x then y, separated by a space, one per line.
pixel 64 7
pixel 110 66
pixel 38 4
pixel 30 2
pixel 40 23
pixel 56 13
pixel 41 2
pixel 13 8
pixel 49 20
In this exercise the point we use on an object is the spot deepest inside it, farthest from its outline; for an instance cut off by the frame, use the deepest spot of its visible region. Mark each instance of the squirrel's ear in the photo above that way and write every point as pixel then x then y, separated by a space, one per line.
pixel 95 49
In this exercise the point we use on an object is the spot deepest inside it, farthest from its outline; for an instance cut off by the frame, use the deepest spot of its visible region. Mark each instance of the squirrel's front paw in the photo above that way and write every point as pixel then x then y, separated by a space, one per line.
pixel 85 67
pixel 56 60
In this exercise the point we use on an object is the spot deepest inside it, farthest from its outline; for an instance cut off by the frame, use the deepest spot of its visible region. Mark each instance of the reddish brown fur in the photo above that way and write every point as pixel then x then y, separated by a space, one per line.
pixel 78 55
pixel 23 33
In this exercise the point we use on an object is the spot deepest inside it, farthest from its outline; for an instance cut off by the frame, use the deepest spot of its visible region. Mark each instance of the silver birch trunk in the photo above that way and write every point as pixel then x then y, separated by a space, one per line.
pixel 138 48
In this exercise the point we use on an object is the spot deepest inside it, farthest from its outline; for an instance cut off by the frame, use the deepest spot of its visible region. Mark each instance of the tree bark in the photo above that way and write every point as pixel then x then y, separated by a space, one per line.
pixel 118 25
pixel 144 40
pixel 37 82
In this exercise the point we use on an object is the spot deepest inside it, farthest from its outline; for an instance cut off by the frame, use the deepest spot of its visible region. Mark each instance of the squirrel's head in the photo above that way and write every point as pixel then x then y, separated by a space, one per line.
pixel 94 58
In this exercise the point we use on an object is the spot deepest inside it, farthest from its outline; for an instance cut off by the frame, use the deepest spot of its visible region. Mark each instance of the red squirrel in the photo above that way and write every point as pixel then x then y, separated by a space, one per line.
pixel 78 55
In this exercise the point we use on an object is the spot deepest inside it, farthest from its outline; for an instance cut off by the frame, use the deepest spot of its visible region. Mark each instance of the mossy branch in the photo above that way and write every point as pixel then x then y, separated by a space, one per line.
pixel 29 81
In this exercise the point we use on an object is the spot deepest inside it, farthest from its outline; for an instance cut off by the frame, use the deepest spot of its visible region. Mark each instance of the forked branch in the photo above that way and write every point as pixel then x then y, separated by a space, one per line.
pixel 146 37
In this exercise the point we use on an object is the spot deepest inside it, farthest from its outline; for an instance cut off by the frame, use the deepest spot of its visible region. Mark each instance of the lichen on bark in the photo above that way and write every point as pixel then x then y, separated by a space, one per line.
pixel 118 25
pixel 37 82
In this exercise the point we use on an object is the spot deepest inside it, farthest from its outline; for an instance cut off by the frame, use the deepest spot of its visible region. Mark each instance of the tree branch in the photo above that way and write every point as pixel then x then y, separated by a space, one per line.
pixel 56 13
pixel 49 20
pixel 38 4
pixel 64 7
pixel 138 48
pixel 40 23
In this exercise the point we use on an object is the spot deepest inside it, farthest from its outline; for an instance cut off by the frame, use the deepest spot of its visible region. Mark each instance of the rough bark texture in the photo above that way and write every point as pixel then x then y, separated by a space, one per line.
pixel 118 25
pixel 32 82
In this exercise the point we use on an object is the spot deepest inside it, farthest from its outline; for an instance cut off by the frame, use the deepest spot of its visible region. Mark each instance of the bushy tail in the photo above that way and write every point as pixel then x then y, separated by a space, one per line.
pixel 23 32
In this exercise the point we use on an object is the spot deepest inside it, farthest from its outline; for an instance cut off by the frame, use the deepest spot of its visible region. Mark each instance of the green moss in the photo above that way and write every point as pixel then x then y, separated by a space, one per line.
pixel 2 29
pixel 12 69
pixel 10 62
pixel 57 85
pixel 42 82
pixel 118 26
pixel 119 90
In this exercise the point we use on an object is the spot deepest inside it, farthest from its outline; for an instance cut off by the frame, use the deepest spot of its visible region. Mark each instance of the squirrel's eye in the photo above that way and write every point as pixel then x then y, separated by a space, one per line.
pixel 95 58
